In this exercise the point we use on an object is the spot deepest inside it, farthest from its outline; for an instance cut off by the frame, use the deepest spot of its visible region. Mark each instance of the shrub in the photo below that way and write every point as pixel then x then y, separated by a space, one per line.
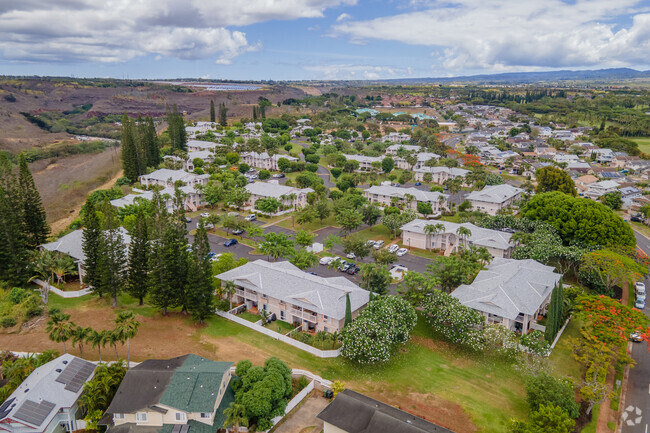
pixel 264 174
pixel 288 147
pixel 391 210
pixel 336 172
pixel 7 322
pixel 536 343
pixel 464 206
pixel 123 181
pixel 302 383
pixel 17 295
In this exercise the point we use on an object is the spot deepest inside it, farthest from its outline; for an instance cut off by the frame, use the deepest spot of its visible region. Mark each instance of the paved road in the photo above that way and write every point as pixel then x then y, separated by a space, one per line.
pixel 636 414
pixel 324 174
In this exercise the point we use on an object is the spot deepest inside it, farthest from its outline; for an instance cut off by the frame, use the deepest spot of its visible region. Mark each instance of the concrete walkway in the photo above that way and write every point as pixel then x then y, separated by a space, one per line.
pixel 305 416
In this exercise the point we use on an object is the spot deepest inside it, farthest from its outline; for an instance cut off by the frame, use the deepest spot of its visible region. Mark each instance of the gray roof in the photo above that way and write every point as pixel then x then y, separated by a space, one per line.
pixel 72 244
pixel 453 171
pixel 495 193
pixel 357 413
pixel 165 174
pixel 148 195
pixel 407 147
pixel 47 390
pixel 265 155
pixel 364 158
pixel 269 189
pixel 480 236
pixel 394 191
pixel 509 287
pixel 284 281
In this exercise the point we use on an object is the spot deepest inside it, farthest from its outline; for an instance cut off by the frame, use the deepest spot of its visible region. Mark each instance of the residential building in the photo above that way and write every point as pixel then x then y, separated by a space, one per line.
pixel 439 174
pixel 494 198
pixel 72 245
pixel 48 399
pixel 583 182
pixel 391 195
pixel 393 148
pixel 203 155
pixel 264 160
pixel 365 162
pixel 421 159
pixel 290 197
pixel 396 137
pixel 197 145
pixel 193 198
pixel 597 189
pixel 511 292
pixel 294 296
pixel 496 242
pixel 168 178
pixel 351 412
pixel 186 393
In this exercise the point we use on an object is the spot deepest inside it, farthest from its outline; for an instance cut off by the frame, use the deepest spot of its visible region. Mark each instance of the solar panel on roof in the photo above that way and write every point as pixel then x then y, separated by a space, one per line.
pixel 5 409
pixel 76 374
pixel 34 413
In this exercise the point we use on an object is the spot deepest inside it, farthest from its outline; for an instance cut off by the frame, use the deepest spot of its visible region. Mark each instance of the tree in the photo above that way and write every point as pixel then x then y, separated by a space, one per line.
pixel 304 238
pixel 151 144
pixel 549 419
pixel 432 230
pixel 138 263
pixel 126 326
pixel 303 259
pixel 62 265
pixel 545 390
pixel 370 214
pixel 348 219
pixel 35 226
pixel 268 205
pixel 91 239
pixel 98 393
pixel 176 129
pixel 611 268
pixel 424 208
pixel 223 115
pixel 59 328
pixel 243 167
pixel 385 323
pixel 416 287
pixel 200 297
pixel 98 339
pixel 554 179
pixel 348 310
pixel 555 315
pixel 613 200
pixel 384 257
pixel 457 269
pixel 212 112
pixel 579 219
pixel 375 278
pixel 387 164
pixel 112 256
pixel 276 245
pixel 459 324
pixel 322 209
pixel 13 250
pixel 453 184
pixel 80 336
pixel 355 244
pixel 131 161
pixel 235 417
pixel 42 263
pixel 464 234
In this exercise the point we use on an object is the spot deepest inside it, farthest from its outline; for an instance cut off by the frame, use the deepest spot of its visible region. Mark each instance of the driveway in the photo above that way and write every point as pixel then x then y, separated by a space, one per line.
pixel 305 416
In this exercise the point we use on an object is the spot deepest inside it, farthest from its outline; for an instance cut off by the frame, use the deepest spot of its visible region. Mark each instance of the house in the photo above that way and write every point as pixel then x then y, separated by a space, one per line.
pixel 439 174
pixel 197 145
pixel 579 167
pixel 168 178
pixel 421 159
pixel 511 292
pixel 351 412
pixel 294 296
pixel 396 137
pixel 597 189
pixel 193 198
pixel 264 160
pixel 365 162
pixel 394 148
pixel 391 195
pixel 583 182
pixel 494 198
pixel 183 394
pixel 290 197
pixel 72 245
pixel 47 400
pixel 496 242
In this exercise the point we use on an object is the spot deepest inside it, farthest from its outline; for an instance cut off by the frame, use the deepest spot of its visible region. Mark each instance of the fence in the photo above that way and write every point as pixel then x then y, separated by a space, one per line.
pixel 285 339
pixel 61 293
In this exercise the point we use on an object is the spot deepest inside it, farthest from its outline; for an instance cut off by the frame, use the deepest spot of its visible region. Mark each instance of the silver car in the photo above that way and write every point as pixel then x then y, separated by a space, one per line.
pixel 378 245
pixel 393 248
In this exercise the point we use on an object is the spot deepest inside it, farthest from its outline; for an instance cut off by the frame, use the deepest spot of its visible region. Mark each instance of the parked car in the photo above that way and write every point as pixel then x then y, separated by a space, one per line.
pixel 188 219
pixel 326 260
pixel 637 218
pixel 370 243
pixel 352 270
pixel 507 230
pixel 402 252
pixel 639 304
pixel 313 273
pixel 351 255
pixel 252 217
pixel 641 296
pixel 233 214
pixel 636 337
pixel 418 183
pixel 230 242
pixel 395 184
pixel 393 248
pixel 252 170
pixel 640 288
pixel 278 175
pixel 238 231
pixel 342 263
pixel 378 245
pixel 205 215
pixel 345 267
pixel 216 257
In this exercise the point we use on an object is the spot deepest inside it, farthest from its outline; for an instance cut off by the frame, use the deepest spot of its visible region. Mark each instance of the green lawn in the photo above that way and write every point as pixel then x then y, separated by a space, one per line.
pixel 376 233
pixel 249 316
pixel 562 355
pixel 455 218
pixel 280 326
pixel 290 224
pixel 643 142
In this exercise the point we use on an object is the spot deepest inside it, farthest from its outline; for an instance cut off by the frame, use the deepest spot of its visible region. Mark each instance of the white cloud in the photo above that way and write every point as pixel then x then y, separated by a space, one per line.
pixel 500 34
pixel 356 72
pixel 119 30
pixel 343 17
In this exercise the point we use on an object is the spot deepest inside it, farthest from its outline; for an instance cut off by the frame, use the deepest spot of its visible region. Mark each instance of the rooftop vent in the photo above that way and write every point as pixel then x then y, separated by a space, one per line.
pixel 58 370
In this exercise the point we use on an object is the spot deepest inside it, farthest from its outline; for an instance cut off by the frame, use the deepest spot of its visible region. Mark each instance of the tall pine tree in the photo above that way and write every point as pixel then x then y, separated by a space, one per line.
pixel 555 313
pixel 130 162
pixel 92 234
pixel 176 129
pixel 152 146
pixel 176 252
pixel 13 253
pixel 112 259
pixel 223 115
pixel 348 310
pixel 35 228
pixel 199 281
pixel 138 271
pixel 212 114
pixel 161 293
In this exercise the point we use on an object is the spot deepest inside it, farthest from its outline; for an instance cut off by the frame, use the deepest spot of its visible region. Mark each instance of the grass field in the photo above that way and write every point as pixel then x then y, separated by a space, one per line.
pixel 643 142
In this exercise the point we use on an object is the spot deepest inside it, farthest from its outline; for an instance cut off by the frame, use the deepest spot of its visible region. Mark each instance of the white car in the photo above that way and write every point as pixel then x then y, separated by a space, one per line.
pixel 393 248
pixel 205 215
pixel 378 244
pixel 401 252
pixel 216 257
pixel 640 288
pixel 351 256
pixel 326 260
pixel 370 243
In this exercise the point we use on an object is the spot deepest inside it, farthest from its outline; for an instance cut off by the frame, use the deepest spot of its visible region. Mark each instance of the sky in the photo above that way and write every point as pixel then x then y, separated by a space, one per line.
pixel 318 39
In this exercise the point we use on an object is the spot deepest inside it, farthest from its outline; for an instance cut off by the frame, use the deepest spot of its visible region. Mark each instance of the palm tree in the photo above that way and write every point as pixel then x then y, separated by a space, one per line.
pixel 42 267
pixel 80 335
pixel 292 197
pixel 230 289
pixel 63 265
pixel 59 328
pixel 127 328
pixel 112 338
pixel 408 198
pixel 235 417
pixel 98 339
pixel 432 230
pixel 464 233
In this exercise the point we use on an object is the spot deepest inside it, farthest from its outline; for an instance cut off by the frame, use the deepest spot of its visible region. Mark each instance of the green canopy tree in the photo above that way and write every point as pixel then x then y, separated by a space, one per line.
pixel 35 226
pixel 199 284
pixel 554 179
pixel 138 262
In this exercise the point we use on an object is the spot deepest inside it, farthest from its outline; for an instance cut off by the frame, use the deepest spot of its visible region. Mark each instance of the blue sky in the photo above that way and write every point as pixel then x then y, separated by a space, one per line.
pixel 319 39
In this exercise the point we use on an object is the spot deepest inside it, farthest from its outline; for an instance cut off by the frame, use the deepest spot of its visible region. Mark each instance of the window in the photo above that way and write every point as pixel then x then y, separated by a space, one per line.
pixel 118 416
pixel 205 415
pixel 326 319
pixel 141 417
pixel 180 416
pixel 282 315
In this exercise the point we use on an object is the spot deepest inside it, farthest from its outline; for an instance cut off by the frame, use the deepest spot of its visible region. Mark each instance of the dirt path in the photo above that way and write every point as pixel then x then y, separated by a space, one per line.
pixel 606 413
pixel 625 297
pixel 276 222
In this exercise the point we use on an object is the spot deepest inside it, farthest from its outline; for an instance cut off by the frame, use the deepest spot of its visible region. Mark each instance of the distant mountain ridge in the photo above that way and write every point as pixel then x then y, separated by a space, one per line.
pixel 533 77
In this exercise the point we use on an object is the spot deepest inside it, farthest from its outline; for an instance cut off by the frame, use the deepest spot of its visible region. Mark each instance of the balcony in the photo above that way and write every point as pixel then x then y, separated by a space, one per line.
pixel 305 315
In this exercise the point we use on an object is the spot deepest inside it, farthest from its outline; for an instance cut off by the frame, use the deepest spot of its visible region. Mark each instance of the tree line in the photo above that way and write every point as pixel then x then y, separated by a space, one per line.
pixel 140 147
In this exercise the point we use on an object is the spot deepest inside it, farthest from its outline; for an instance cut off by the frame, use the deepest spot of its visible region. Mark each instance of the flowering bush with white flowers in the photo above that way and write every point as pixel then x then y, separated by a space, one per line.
pixel 386 322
